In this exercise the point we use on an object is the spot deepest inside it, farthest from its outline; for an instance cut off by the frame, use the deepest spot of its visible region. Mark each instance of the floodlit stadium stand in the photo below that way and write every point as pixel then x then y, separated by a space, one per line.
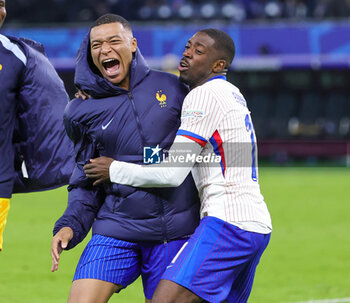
pixel 62 11
pixel 292 61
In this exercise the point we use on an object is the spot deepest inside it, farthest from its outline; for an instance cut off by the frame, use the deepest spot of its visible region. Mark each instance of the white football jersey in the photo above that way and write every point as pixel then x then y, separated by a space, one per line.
pixel 216 116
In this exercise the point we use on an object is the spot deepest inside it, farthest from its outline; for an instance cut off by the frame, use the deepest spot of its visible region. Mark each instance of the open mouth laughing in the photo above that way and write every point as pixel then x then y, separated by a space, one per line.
pixel 111 66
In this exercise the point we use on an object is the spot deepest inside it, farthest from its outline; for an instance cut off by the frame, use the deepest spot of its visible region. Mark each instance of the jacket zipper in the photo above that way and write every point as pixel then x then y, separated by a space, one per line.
pixel 131 98
pixel 143 141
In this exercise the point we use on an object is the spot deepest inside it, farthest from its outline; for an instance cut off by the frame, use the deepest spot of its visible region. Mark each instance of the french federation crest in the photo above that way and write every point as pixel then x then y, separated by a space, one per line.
pixel 161 98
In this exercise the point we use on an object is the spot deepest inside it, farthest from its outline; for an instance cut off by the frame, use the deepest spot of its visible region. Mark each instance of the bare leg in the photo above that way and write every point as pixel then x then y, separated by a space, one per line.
pixel 170 292
pixel 92 291
pixel 147 300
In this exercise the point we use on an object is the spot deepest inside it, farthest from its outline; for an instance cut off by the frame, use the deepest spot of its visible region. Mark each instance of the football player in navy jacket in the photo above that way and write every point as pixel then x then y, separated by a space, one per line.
pixel 135 231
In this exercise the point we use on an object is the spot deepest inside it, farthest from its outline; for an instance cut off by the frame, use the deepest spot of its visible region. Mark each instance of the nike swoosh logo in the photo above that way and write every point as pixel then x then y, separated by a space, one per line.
pixel 169 266
pixel 105 126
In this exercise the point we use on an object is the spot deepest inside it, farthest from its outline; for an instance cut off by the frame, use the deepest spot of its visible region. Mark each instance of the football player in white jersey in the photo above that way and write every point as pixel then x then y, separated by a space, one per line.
pixel 218 145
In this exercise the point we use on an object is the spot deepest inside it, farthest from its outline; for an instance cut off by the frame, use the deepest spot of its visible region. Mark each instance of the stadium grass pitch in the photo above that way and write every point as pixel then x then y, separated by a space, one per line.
pixel 308 256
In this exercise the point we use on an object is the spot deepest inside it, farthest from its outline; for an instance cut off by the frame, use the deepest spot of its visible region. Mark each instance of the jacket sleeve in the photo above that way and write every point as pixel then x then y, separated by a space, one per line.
pixel 43 152
pixel 12 66
pixel 84 200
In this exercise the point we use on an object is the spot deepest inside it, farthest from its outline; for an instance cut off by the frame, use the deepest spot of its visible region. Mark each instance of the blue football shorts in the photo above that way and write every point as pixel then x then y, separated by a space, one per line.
pixel 122 262
pixel 218 261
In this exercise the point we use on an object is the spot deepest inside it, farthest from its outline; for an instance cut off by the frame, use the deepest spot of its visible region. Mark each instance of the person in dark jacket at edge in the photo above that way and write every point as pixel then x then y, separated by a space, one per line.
pixel 35 152
pixel 135 231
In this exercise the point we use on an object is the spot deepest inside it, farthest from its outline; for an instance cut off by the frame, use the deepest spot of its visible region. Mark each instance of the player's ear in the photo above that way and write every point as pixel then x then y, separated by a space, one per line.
pixel 219 66
pixel 133 45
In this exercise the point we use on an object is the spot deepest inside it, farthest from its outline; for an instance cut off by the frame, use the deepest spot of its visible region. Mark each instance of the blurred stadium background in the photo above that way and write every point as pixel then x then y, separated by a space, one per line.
pixel 292 60
pixel 293 66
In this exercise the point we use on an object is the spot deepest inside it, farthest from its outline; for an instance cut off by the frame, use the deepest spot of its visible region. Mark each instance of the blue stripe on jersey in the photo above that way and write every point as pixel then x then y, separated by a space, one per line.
pixel 218 77
pixel 202 141
pixel 218 150
pixel 12 47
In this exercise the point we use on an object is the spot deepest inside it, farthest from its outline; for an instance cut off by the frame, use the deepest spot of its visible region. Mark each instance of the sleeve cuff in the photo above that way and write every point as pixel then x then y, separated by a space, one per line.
pixel 113 171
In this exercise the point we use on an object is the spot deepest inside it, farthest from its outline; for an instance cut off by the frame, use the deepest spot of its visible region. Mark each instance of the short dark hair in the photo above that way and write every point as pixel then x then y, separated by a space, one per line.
pixel 112 18
pixel 223 43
